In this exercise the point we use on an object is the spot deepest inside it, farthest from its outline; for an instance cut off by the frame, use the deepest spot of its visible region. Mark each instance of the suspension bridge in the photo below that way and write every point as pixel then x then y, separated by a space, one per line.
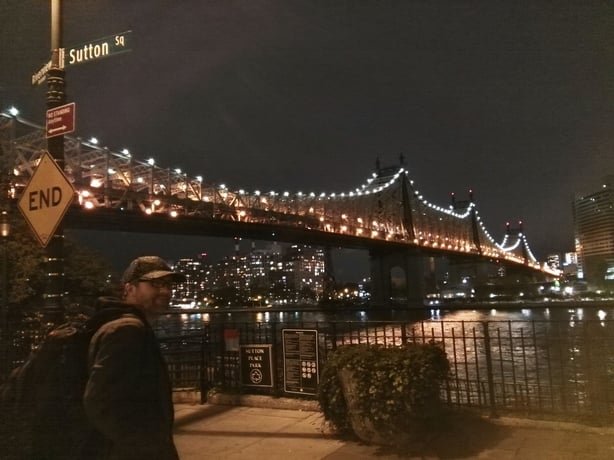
pixel 384 214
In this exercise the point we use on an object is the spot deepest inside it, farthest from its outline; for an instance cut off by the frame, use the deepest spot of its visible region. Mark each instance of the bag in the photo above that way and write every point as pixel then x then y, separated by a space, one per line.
pixel 42 400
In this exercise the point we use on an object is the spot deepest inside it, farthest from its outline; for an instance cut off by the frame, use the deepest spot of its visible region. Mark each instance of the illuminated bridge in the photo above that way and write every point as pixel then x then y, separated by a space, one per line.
pixel 386 215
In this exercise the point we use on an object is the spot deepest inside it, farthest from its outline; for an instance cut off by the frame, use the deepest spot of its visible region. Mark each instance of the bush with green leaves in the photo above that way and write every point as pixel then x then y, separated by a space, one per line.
pixel 394 387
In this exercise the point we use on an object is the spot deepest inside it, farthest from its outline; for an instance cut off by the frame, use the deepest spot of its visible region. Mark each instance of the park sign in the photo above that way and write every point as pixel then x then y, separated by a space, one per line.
pixel 46 199
pixel 97 49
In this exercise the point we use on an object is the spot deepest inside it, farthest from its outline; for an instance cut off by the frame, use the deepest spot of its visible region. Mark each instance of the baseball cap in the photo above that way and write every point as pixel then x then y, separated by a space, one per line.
pixel 149 268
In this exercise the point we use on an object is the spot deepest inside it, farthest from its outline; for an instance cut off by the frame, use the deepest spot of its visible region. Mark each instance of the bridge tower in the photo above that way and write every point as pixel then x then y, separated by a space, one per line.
pixel 467 272
pixel 514 273
pixel 408 223
pixel 462 205
pixel 400 273
pixel 517 232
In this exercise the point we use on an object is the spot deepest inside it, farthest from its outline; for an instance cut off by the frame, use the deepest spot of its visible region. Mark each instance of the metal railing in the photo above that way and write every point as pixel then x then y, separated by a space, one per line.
pixel 531 368
pixel 542 369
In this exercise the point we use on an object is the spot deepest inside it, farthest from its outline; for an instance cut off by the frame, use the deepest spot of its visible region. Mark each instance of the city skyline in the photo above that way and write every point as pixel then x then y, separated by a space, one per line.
pixel 350 265
pixel 273 274
pixel 513 102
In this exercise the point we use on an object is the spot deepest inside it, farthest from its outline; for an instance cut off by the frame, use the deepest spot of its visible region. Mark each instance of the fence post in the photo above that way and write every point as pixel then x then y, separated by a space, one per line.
pixel 277 355
pixel 596 369
pixel 489 371
pixel 204 370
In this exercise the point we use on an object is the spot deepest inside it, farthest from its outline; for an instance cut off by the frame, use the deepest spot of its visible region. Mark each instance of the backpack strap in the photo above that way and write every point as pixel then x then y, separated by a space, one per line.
pixel 112 310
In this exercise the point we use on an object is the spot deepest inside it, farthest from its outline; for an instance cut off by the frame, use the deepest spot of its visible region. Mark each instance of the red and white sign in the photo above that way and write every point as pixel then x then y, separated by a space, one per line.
pixel 61 120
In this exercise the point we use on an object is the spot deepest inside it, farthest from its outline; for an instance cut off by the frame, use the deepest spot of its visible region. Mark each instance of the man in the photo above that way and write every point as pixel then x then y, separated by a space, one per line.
pixel 128 396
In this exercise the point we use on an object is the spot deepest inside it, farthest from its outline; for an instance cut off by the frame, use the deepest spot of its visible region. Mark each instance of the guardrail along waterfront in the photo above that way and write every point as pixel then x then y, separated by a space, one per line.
pixel 548 369
pixel 561 369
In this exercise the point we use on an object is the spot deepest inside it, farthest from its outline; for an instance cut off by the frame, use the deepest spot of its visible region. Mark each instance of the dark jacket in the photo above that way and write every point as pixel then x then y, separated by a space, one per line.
pixel 128 396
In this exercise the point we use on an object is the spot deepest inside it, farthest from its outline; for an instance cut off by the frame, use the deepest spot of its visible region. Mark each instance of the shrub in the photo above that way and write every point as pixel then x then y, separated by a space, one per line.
pixel 394 388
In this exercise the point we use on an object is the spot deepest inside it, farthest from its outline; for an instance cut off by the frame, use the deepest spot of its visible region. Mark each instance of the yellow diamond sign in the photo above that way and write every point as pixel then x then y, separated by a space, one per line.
pixel 46 199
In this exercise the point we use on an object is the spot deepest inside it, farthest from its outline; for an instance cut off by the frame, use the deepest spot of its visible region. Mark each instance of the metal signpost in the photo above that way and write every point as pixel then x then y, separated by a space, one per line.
pixel 54 290
pixel 49 194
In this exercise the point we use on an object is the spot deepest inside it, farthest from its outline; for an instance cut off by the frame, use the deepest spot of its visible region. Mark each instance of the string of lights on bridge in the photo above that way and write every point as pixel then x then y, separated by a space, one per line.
pixel 503 246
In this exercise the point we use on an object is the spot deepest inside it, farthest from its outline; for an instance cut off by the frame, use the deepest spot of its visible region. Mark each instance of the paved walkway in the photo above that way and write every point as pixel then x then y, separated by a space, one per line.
pixel 215 431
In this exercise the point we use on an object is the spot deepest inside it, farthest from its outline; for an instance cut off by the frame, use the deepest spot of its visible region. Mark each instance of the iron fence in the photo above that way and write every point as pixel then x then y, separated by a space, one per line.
pixel 532 368
pixel 562 369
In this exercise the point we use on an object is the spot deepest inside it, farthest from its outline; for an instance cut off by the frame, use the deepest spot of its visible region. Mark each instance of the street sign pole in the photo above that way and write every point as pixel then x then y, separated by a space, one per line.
pixel 60 121
pixel 53 308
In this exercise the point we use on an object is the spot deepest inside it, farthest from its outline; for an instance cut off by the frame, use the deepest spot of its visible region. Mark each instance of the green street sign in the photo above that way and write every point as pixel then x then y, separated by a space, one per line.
pixel 97 49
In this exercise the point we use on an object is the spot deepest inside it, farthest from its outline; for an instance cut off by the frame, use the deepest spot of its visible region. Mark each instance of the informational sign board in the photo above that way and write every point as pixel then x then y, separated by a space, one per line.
pixel 301 368
pixel 46 199
pixel 256 365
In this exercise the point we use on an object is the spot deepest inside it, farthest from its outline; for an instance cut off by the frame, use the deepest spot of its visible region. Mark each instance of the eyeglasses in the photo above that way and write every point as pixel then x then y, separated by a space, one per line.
pixel 159 283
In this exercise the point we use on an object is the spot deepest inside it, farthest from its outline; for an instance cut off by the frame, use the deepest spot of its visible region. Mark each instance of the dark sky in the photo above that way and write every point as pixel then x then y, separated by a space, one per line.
pixel 511 99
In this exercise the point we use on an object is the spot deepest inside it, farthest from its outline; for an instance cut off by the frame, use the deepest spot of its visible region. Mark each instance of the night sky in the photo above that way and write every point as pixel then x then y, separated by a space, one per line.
pixel 514 100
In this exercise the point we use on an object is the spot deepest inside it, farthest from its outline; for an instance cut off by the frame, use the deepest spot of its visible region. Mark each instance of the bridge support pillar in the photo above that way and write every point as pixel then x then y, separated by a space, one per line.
pixel 479 272
pixel 400 277
pixel 466 277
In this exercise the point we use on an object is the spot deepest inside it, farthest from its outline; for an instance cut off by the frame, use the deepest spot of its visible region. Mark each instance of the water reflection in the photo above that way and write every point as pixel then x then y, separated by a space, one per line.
pixel 182 322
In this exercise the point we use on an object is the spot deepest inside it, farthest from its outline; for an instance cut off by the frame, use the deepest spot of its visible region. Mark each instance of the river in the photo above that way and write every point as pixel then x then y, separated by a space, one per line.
pixel 177 322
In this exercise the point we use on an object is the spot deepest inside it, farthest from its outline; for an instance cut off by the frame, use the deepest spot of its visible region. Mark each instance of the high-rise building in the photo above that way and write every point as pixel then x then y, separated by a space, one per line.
pixel 198 276
pixel 594 233
pixel 554 261
pixel 570 258
pixel 304 267
pixel 570 264
pixel 276 274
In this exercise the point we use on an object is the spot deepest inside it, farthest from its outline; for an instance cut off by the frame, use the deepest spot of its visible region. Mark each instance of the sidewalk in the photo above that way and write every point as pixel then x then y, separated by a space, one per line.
pixel 215 431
